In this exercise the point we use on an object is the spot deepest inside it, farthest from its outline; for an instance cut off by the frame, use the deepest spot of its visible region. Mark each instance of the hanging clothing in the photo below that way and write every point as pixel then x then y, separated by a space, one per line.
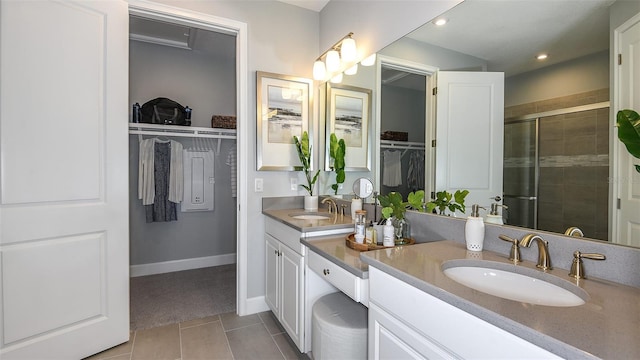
pixel 392 168
pixel 415 173
pixel 146 178
pixel 162 208
pixel 231 161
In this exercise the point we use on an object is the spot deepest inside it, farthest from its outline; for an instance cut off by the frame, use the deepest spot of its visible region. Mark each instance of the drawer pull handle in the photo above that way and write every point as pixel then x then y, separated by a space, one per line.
pixel 325 271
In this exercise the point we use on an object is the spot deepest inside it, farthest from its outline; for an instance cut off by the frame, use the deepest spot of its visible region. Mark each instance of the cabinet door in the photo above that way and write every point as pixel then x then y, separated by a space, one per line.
pixel 291 282
pixel 272 295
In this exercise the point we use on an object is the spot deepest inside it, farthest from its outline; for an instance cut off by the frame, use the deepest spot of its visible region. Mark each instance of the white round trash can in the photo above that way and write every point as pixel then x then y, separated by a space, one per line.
pixel 339 328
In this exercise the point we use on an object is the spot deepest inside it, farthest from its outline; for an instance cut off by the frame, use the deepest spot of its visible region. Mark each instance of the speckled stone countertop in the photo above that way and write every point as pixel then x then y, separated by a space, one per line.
pixel 607 326
pixel 335 250
pixel 334 222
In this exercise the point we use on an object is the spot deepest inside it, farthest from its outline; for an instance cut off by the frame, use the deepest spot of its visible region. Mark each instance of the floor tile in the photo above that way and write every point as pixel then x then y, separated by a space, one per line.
pixel 207 341
pixel 271 323
pixel 232 321
pixel 253 342
pixel 287 348
pixel 158 343
pixel 197 322
pixel 116 351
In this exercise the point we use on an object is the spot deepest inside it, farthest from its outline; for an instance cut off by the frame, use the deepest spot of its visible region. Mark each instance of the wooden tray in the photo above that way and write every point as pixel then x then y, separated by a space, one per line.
pixel 351 243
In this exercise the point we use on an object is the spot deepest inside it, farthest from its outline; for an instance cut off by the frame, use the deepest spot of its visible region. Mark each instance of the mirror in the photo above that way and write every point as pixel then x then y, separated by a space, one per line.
pixel 511 32
pixel 363 188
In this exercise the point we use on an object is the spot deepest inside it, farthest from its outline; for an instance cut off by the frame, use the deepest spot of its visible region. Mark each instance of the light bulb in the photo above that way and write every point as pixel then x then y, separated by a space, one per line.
pixel 319 71
pixel 352 70
pixel 369 60
pixel 333 61
pixel 337 79
pixel 348 51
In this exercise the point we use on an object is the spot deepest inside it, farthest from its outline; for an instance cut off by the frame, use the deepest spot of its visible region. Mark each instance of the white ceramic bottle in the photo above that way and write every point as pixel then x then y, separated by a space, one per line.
pixel 388 238
pixel 474 229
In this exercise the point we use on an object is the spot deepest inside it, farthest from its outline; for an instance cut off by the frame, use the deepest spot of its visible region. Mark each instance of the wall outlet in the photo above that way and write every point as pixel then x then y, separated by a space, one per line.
pixel 259 185
pixel 294 184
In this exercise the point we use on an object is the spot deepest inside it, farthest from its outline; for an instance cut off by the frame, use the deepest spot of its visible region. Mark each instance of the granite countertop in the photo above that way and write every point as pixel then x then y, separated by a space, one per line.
pixel 334 249
pixel 607 326
pixel 334 222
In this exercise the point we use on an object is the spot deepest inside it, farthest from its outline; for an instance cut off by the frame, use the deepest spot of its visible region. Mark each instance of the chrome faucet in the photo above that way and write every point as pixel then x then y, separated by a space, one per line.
pixel 544 260
pixel 332 205
pixel 574 231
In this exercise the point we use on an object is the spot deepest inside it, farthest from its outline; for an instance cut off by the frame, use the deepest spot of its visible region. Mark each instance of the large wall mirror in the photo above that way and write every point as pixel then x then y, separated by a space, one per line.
pixel 558 126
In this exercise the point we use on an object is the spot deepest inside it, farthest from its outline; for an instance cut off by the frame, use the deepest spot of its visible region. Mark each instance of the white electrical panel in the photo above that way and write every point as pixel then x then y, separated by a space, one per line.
pixel 198 181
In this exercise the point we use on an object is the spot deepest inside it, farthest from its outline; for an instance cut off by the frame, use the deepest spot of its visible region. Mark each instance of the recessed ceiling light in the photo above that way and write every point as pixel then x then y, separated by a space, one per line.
pixel 440 21
pixel 542 56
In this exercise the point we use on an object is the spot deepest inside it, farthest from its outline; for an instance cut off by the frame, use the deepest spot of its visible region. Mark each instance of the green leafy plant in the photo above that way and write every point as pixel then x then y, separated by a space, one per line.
pixel 304 153
pixel 337 151
pixel 393 206
pixel 444 200
pixel 628 122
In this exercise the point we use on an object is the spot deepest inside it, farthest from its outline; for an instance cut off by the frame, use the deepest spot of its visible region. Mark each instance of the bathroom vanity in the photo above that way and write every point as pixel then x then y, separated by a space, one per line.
pixel 417 311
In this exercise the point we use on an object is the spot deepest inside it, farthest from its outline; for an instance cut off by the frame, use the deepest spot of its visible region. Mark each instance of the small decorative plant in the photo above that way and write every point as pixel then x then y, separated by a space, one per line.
pixel 337 150
pixel 628 122
pixel 304 153
pixel 393 206
pixel 444 200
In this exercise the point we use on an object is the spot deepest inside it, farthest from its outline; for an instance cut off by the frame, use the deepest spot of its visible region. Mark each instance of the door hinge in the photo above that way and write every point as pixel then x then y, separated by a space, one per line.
pixel 433 194
pixel 619 59
pixel 433 143
pixel 434 91
pixel 619 204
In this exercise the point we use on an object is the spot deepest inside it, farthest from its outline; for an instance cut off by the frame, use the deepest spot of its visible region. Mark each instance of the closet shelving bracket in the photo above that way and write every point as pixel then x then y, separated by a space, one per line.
pixel 182 131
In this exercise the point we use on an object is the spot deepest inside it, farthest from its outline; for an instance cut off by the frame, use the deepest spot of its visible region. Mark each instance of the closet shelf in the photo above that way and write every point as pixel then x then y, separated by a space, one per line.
pixel 389 144
pixel 181 131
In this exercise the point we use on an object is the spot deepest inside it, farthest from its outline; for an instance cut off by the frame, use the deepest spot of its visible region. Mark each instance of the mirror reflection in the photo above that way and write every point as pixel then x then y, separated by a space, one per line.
pixel 557 117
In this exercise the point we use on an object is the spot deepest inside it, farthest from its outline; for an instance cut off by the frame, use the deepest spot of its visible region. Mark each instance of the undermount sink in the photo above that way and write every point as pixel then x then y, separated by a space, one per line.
pixel 514 282
pixel 310 216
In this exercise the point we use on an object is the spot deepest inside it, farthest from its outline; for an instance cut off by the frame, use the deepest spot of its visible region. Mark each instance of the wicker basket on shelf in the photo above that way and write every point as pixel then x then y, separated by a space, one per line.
pixel 223 121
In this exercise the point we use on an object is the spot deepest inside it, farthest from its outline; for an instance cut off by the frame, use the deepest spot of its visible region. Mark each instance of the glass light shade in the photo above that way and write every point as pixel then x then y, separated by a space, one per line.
pixel 337 79
pixel 352 70
pixel 348 51
pixel 369 60
pixel 319 71
pixel 333 61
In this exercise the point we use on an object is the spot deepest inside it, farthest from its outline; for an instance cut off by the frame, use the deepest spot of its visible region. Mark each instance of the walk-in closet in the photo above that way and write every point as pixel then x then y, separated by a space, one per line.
pixel 182 179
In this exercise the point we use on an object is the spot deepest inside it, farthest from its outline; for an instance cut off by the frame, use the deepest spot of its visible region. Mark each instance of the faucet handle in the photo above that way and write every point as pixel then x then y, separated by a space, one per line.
pixel 514 254
pixel 342 209
pixel 577 268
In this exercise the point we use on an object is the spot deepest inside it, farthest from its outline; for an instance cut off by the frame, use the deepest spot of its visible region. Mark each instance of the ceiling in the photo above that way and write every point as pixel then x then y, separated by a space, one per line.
pixel 509 34
pixel 315 5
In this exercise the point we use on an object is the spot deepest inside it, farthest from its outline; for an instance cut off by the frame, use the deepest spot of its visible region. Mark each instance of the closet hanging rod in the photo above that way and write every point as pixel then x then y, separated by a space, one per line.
pixel 388 144
pixel 181 131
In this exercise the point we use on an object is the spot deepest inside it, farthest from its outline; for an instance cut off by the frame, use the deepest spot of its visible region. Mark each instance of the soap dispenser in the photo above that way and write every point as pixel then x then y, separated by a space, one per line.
pixel 474 229
pixel 494 217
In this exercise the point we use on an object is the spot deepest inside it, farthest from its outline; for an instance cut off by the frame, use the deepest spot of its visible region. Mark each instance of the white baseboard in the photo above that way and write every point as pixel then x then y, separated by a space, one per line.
pixel 183 264
pixel 255 305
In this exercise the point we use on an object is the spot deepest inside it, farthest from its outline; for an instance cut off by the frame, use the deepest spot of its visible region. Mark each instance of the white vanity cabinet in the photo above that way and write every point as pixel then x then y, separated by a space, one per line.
pixel 406 322
pixel 285 278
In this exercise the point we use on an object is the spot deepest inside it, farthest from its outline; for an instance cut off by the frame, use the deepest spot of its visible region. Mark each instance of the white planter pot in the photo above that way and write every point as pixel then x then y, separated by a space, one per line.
pixel 311 203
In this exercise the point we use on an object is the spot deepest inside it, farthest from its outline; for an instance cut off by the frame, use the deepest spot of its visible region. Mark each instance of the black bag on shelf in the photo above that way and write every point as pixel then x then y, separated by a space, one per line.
pixel 164 111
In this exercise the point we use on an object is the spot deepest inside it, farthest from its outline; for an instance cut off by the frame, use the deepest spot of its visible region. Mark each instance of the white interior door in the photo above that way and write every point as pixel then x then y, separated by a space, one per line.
pixel 63 186
pixel 628 213
pixel 469 134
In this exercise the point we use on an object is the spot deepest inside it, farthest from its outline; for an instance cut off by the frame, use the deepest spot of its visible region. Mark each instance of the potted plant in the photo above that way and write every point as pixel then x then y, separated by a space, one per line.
pixel 628 122
pixel 444 200
pixel 304 153
pixel 394 208
pixel 337 151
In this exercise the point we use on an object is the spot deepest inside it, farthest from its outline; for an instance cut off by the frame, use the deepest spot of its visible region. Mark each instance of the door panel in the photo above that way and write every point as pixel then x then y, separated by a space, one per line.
pixel 469 134
pixel 64 183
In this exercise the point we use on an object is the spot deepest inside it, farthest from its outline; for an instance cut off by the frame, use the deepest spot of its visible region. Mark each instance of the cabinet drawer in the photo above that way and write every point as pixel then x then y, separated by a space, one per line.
pixel 285 234
pixel 353 286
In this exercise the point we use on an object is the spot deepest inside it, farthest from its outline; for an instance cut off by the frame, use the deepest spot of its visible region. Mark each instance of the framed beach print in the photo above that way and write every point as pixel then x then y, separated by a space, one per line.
pixel 348 116
pixel 283 111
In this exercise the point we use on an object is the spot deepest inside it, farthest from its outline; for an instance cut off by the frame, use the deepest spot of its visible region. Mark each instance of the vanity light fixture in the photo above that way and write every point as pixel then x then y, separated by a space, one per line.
pixel 342 53
pixel 542 56
pixel 369 60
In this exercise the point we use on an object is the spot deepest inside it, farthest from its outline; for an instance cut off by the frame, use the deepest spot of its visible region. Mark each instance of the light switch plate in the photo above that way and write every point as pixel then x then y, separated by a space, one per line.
pixel 294 183
pixel 259 185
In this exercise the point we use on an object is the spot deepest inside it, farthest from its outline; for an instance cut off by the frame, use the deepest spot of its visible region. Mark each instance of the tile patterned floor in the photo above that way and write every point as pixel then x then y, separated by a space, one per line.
pixel 226 336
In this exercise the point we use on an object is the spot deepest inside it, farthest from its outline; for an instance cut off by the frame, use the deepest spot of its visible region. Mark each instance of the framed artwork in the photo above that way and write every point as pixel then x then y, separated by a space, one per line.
pixel 348 116
pixel 283 105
